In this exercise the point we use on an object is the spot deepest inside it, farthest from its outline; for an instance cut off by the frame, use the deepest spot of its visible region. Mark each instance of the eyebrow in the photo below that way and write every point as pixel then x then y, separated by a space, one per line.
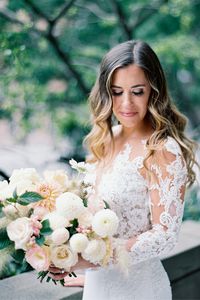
pixel 134 86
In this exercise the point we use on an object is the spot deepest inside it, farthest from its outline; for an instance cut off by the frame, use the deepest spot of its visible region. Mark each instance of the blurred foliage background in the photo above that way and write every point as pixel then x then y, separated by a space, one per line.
pixel 50 51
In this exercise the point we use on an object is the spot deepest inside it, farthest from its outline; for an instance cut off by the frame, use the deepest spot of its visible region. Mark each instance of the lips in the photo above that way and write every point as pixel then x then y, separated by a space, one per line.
pixel 128 114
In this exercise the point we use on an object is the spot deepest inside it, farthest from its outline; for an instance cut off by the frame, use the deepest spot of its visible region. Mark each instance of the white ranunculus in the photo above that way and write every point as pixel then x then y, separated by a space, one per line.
pixel 105 223
pixel 20 232
pixel 56 220
pixel 63 257
pixel 78 242
pixel 29 174
pixel 95 251
pixel 58 177
pixel 69 205
pixel 60 236
pixel 5 190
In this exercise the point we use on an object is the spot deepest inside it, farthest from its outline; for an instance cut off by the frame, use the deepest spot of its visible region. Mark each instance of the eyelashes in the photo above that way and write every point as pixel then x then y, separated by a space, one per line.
pixel 135 93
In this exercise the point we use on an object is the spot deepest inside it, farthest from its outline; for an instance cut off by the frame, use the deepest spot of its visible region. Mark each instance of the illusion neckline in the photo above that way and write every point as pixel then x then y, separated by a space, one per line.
pixel 122 152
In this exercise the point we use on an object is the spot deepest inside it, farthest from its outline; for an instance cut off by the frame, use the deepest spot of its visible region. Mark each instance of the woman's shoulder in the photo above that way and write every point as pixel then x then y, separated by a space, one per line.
pixel 171 145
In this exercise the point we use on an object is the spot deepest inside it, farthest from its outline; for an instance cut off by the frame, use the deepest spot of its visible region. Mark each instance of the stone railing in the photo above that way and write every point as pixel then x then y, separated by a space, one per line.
pixel 182 266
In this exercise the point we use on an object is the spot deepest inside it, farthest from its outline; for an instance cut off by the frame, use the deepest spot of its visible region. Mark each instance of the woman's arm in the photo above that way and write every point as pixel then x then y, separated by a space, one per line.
pixel 166 201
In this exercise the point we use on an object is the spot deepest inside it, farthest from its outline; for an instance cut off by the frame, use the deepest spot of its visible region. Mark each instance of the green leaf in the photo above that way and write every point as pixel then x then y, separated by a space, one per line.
pixel 106 204
pixel 74 223
pixel 54 281
pixel 85 202
pixel 46 229
pixel 29 197
pixel 40 240
pixel 12 200
pixel 18 255
pixel 42 275
pixel 62 282
pixel 1 206
pixel 15 196
pixel 4 239
pixel 72 229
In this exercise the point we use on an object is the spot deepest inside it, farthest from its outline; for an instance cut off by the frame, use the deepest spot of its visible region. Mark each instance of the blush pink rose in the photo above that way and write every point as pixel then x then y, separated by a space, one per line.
pixel 38 258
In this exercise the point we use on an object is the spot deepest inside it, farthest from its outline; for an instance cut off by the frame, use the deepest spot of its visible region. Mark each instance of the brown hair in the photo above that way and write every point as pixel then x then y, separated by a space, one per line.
pixel 165 117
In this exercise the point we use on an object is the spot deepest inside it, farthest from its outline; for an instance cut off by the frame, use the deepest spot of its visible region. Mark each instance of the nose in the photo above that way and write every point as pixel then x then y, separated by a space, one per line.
pixel 127 99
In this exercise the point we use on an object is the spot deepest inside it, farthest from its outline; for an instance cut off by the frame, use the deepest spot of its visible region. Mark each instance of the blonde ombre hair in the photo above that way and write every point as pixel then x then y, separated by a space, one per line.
pixel 163 114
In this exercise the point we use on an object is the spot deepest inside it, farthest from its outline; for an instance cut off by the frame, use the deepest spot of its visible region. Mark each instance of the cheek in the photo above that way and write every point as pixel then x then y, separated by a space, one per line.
pixel 116 105
pixel 141 104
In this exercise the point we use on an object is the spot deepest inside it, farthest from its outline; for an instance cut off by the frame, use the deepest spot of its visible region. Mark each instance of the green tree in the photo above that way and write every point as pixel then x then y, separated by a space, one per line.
pixel 50 51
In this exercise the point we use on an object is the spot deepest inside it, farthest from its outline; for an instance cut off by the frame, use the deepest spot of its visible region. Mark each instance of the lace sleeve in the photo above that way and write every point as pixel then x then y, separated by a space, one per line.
pixel 166 201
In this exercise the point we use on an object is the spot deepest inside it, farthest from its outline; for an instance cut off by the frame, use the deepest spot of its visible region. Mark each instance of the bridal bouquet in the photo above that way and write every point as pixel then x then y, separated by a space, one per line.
pixel 48 220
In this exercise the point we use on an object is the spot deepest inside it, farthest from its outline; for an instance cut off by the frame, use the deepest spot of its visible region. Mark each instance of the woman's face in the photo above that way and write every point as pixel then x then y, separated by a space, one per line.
pixel 130 94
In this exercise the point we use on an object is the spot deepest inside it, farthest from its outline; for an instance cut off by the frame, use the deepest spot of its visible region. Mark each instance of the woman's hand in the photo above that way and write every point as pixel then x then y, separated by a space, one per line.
pixel 82 264
pixel 129 243
pixel 75 281
pixel 57 273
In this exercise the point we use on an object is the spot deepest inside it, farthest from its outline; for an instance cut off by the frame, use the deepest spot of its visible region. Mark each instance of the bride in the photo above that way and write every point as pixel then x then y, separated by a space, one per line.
pixel 141 168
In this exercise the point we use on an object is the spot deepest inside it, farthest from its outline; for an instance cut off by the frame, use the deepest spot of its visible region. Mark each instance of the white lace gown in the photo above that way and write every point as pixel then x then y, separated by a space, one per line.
pixel 149 209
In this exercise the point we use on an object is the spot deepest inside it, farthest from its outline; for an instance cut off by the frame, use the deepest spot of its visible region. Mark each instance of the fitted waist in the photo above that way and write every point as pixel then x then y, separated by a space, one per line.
pixel 151 265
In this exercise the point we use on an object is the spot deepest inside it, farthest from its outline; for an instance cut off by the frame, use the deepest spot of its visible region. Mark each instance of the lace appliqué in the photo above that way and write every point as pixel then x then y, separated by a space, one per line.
pixel 165 196
pixel 150 211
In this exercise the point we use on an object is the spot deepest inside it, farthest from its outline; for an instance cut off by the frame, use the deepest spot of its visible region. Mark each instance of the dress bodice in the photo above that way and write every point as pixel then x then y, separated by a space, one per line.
pixel 125 190
pixel 150 210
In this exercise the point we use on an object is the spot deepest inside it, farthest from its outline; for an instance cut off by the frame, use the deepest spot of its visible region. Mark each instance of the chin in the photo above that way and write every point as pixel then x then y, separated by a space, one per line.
pixel 129 124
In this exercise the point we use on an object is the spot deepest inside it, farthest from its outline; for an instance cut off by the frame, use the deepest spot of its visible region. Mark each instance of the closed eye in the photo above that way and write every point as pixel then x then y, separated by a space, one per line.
pixel 138 93
pixel 114 93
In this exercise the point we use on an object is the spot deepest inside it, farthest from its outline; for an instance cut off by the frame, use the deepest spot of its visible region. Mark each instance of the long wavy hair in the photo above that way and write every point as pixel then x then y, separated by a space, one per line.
pixel 165 118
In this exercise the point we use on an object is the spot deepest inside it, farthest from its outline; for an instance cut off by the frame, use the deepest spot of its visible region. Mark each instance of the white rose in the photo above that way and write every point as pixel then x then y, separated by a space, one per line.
pixel 23 209
pixel 85 219
pixel 105 223
pixel 29 174
pixel 56 220
pixel 63 257
pixel 60 236
pixel 78 242
pixel 23 186
pixel 10 211
pixel 95 204
pixel 58 177
pixel 69 205
pixel 40 211
pixel 95 251
pixel 13 211
pixel 5 190
pixel 20 232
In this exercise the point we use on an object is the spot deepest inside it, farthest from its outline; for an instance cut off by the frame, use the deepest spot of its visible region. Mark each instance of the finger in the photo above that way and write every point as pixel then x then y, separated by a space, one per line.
pixel 79 281
pixel 74 284
pixel 57 276
pixel 55 270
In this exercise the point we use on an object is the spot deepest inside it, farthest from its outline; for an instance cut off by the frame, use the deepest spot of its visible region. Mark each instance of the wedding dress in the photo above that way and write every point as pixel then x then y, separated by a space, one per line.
pixel 149 209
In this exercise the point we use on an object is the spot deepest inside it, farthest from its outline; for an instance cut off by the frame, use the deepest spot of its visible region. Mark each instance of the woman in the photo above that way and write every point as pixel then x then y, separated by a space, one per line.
pixel 141 168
